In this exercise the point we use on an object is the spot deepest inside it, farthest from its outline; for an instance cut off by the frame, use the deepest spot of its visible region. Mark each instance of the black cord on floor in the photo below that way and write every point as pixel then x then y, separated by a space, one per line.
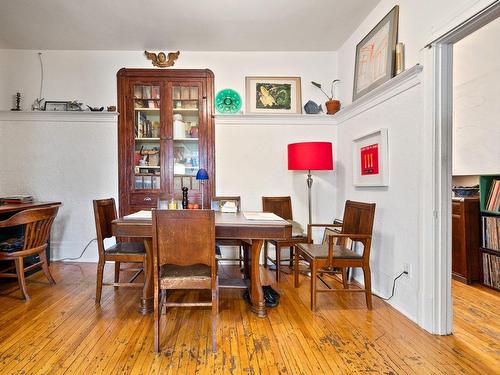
pixel 393 287
pixel 85 248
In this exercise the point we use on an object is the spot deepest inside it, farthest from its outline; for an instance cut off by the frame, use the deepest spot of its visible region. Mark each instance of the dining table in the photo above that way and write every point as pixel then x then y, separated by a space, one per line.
pixel 227 226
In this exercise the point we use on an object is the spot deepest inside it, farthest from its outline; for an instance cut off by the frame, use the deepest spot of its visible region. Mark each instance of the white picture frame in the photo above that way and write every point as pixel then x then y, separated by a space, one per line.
pixel 273 95
pixel 370 157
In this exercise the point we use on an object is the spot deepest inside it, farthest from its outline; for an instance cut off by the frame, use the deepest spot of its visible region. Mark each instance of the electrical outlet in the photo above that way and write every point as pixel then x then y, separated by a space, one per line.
pixel 407 269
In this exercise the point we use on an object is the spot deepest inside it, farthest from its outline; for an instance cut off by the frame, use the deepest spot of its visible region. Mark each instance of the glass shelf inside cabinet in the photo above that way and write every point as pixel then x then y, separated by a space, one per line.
pixel 147 137
pixel 185 108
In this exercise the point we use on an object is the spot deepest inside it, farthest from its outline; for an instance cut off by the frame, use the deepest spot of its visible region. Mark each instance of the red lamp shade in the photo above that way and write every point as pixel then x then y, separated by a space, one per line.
pixel 310 156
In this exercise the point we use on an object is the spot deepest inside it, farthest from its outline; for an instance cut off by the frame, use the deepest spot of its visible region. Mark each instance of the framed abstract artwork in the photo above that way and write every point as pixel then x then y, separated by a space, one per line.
pixel 375 55
pixel 273 95
pixel 371 159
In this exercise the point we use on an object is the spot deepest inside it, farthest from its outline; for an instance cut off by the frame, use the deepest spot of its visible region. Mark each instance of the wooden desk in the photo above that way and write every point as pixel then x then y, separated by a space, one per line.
pixel 227 226
pixel 13 208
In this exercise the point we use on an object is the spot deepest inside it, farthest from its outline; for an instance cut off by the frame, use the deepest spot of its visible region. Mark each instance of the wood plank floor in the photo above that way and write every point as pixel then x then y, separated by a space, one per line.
pixel 60 331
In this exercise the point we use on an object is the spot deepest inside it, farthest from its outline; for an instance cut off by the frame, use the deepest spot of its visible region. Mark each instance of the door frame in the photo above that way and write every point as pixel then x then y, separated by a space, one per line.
pixel 435 308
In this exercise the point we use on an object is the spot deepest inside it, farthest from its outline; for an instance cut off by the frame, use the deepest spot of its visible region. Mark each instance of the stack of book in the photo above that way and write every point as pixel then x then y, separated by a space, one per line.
pixel 17 199
pixel 493 201
pixel 491 232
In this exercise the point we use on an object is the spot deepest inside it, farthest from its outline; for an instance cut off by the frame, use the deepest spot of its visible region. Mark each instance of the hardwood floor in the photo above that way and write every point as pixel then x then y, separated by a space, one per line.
pixel 60 331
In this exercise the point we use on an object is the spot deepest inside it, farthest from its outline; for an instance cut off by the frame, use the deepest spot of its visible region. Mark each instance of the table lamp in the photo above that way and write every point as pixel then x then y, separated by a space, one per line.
pixel 310 156
pixel 202 176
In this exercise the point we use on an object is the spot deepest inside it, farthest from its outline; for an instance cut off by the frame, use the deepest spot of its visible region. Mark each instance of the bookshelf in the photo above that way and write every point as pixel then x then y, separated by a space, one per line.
pixel 489 191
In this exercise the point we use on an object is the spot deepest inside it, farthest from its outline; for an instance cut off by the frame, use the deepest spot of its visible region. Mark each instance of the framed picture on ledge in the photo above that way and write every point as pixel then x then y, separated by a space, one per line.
pixel 273 95
pixel 375 55
pixel 371 159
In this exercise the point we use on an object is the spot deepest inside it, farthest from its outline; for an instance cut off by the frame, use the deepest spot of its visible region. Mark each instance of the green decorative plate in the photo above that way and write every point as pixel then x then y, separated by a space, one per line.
pixel 227 101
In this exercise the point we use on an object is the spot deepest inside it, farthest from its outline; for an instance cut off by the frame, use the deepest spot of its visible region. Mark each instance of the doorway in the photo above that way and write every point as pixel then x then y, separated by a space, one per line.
pixel 436 313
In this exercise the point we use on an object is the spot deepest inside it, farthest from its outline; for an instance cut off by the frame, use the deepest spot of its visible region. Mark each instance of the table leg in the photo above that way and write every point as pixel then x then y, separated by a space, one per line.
pixel 146 305
pixel 246 262
pixel 256 293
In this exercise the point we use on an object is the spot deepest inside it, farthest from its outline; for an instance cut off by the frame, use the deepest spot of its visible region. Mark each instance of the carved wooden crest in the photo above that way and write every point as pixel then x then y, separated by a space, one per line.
pixel 161 60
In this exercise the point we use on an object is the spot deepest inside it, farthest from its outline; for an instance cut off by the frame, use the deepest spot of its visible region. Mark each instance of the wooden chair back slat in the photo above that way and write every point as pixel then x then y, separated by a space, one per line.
pixel 184 237
pixel 281 206
pixel 104 214
pixel 358 219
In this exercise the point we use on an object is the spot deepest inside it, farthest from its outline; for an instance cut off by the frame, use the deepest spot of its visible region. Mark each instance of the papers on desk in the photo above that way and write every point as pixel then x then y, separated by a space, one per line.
pixel 265 216
pixel 140 215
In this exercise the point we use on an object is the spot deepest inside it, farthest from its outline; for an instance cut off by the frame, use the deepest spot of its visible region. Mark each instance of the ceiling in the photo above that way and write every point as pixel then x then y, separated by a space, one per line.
pixel 190 25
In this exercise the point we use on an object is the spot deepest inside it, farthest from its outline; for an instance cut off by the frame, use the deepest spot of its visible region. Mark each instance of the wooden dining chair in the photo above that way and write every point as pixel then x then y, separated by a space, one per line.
pixel 37 223
pixel 120 252
pixel 357 226
pixel 281 206
pixel 242 245
pixel 184 258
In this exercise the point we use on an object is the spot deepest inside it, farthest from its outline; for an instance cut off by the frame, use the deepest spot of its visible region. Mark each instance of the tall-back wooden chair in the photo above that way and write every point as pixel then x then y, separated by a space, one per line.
pixel 242 245
pixel 357 226
pixel 120 252
pixel 184 258
pixel 37 223
pixel 281 206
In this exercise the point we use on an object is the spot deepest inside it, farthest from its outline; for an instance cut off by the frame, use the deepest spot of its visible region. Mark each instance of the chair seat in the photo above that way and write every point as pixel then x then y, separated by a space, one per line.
pixel 12 245
pixel 320 251
pixel 290 242
pixel 196 276
pixel 194 271
pixel 127 248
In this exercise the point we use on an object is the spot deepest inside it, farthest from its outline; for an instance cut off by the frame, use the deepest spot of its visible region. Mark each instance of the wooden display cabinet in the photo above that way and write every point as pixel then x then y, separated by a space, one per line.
pixel 165 135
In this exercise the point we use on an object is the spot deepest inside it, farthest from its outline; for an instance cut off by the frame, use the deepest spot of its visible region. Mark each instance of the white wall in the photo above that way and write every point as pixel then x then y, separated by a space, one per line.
pixel 77 162
pixel 476 92
pixel 398 220
pixel 396 229
pixel 420 22
pixel 90 76
pixel 72 162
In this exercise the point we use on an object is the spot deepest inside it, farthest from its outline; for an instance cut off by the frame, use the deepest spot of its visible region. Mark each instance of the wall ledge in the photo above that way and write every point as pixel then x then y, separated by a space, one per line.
pixel 302 119
pixel 58 116
pixel 395 86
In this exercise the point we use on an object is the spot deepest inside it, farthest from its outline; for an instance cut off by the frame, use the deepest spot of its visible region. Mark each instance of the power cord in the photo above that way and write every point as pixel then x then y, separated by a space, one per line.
pixel 85 248
pixel 393 287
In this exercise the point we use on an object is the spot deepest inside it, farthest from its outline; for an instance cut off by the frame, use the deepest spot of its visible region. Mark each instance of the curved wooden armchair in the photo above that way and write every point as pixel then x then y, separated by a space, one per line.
pixel 357 226
pixel 37 223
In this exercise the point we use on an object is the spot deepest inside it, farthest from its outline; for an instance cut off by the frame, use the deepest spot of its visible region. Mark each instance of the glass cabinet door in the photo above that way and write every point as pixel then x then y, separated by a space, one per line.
pixel 147 149
pixel 186 107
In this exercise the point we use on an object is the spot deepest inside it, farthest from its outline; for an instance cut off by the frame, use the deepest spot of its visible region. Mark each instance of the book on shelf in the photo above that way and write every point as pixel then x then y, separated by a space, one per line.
pixel 491 232
pixel 17 199
pixel 138 92
pixel 491 270
pixel 155 92
pixel 493 199
pixel 146 92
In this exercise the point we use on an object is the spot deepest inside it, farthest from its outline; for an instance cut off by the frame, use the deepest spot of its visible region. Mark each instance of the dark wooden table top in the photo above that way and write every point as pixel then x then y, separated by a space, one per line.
pixel 16 207
pixel 227 225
